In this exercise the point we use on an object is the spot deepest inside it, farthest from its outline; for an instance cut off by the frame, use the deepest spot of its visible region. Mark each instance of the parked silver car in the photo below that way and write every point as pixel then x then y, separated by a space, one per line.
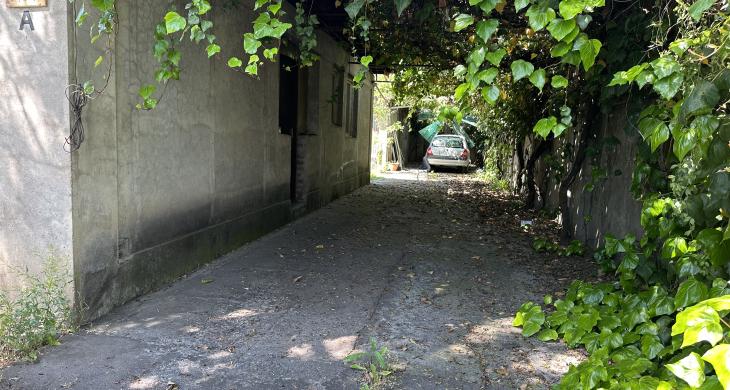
pixel 448 151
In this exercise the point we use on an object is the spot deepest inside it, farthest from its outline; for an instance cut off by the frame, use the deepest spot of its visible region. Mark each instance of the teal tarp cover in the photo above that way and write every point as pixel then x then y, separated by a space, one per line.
pixel 430 131
pixel 434 128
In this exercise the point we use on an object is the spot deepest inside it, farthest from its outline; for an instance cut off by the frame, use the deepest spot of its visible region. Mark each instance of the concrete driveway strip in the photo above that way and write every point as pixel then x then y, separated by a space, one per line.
pixel 394 261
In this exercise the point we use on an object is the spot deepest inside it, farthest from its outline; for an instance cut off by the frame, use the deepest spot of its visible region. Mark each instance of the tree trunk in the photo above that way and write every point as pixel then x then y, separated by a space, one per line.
pixel 583 131
pixel 519 146
pixel 541 148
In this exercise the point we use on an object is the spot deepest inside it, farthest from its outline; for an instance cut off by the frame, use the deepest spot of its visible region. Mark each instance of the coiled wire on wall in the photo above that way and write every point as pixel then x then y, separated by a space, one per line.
pixel 77 100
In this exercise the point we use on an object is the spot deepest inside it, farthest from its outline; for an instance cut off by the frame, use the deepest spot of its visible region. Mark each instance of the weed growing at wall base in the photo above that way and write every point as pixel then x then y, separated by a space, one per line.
pixel 38 316
pixel 373 363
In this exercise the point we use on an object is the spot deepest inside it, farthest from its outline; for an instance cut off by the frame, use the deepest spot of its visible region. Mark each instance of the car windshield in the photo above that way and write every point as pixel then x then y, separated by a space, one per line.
pixel 448 142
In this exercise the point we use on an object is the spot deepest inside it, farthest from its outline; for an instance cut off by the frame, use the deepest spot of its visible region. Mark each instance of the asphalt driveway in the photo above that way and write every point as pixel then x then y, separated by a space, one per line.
pixel 412 260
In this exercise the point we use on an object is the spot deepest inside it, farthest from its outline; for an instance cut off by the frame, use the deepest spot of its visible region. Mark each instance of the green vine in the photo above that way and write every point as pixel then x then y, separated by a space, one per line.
pixel 304 27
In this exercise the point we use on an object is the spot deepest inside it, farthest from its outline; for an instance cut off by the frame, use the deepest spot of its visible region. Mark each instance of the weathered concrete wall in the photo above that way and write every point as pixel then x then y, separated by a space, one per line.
pixel 35 174
pixel 609 208
pixel 157 194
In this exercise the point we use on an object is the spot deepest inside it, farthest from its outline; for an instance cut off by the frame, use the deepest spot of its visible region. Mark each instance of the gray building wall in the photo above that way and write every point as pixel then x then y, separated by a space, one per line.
pixel 157 194
pixel 35 174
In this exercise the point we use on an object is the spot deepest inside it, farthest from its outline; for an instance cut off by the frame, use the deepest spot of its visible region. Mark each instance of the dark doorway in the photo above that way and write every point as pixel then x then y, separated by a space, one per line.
pixel 288 112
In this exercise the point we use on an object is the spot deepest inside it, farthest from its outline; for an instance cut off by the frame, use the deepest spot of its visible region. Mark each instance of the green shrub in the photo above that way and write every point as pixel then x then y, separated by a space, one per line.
pixel 492 178
pixel 38 316
pixel 575 248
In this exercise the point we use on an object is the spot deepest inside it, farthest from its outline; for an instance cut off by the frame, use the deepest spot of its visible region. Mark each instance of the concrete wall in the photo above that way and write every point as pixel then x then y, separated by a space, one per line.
pixel 35 174
pixel 610 207
pixel 156 194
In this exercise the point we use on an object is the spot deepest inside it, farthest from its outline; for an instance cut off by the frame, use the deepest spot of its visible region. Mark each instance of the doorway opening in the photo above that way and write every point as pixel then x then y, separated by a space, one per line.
pixel 289 111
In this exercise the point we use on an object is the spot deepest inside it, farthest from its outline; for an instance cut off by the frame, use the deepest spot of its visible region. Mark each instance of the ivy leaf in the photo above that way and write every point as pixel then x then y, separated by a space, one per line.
pixel 252 67
pixel 537 78
pixel 651 345
pixel 557 318
pixel 520 4
pixel 495 57
pixel 570 8
pixel 720 303
pixel 174 56
pixel 645 77
pixel 611 339
pixel 559 129
pixel 250 43
pixel 674 247
pixel 560 49
pixel 703 98
pixel 719 357
pixel 589 52
pixel 476 57
pixel 591 343
pixel 690 369
pixel 147 91
pixel 103 5
pixel 81 15
pixel 659 137
pixel 270 53
pixel 490 94
pixel 530 317
pixel 547 335
pixel 487 6
pixel 654 131
pixel 487 75
pixel 212 50
pixel 461 90
pixel 665 66
pixel 583 21
pixel 539 15
pixel 629 262
pixel 463 21
pixel 366 60
pixel 401 5
pixel 544 126
pixel 235 62
pixel 560 28
pixel 486 28
pixel 595 376
pixel 699 7
pixel 669 86
pixel 690 292
pixel 698 323
pixel 521 69
pixel 663 306
pixel 588 320
pixel 628 76
pixel 559 81
pixel 353 8
pixel 174 22
pixel 684 142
